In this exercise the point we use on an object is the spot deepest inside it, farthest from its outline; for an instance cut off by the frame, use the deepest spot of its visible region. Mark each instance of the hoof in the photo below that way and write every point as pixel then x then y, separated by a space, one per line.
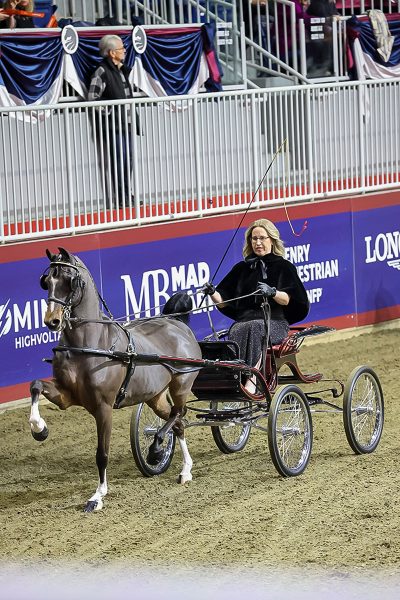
pixel 41 436
pixel 155 454
pixel 154 458
pixel 93 505
pixel 182 479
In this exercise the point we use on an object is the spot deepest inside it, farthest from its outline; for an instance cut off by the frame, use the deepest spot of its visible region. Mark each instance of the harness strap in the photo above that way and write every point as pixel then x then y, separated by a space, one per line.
pixel 129 373
pixel 169 362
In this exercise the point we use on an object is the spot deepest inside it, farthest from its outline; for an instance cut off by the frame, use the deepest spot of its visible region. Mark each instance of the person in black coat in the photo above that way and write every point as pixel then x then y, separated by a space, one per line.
pixel 263 274
pixel 320 51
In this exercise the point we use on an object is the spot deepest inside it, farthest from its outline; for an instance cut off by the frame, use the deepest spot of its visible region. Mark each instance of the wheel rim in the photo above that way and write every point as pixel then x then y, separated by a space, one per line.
pixel 148 425
pixel 293 433
pixel 234 434
pixel 366 410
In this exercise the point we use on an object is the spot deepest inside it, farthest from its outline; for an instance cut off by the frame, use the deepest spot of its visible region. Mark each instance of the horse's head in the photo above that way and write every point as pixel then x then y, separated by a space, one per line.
pixel 64 282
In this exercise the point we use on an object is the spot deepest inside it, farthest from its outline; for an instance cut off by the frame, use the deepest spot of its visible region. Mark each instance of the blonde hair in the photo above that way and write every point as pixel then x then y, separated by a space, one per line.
pixel 28 8
pixel 277 245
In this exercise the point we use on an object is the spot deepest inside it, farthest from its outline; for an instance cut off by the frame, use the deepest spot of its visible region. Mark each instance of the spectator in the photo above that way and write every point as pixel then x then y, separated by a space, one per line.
pixel 13 21
pixel 320 51
pixel 322 8
pixel 110 81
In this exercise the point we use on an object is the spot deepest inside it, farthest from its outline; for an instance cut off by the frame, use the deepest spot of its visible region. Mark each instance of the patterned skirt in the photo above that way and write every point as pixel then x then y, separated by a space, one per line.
pixel 249 335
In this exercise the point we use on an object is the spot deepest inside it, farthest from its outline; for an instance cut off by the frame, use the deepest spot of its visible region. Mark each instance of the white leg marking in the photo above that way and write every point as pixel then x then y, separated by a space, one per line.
pixel 36 422
pixel 99 494
pixel 185 474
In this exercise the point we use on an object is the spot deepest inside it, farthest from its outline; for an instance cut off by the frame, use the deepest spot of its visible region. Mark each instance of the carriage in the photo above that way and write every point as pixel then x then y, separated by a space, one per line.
pixel 282 406
pixel 154 364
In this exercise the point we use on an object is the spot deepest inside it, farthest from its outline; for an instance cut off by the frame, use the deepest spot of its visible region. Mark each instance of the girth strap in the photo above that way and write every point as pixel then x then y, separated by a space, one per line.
pixel 130 371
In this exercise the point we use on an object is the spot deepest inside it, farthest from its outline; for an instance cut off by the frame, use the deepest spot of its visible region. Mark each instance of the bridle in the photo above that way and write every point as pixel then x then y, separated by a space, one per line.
pixel 77 285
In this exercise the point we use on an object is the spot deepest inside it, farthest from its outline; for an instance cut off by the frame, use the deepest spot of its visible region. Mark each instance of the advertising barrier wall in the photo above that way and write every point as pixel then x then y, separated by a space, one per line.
pixel 348 257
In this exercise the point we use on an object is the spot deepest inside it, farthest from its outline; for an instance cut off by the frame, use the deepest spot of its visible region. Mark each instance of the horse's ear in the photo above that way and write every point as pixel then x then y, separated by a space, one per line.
pixel 50 256
pixel 65 255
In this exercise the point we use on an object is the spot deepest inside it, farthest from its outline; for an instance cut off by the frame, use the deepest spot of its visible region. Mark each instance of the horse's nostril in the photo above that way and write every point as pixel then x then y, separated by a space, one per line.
pixel 53 324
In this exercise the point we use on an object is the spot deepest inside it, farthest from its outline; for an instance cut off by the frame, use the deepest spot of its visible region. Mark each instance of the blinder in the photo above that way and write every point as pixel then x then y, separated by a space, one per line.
pixel 76 282
pixel 43 282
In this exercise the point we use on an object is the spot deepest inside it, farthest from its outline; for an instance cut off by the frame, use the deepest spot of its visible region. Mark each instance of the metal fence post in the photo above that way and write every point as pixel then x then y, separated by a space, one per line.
pixel 197 155
pixel 254 138
pixel 70 185
pixel 310 137
pixel 362 91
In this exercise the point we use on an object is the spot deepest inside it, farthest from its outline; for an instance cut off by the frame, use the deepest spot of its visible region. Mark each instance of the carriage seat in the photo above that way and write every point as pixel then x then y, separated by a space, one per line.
pixel 285 354
pixel 218 382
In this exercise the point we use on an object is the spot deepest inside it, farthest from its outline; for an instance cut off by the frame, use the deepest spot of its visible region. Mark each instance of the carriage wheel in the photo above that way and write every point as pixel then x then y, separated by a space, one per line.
pixel 144 426
pixel 363 410
pixel 230 437
pixel 290 431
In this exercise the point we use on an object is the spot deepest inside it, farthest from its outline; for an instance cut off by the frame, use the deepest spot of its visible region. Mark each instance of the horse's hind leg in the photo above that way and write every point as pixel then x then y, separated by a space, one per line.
pixel 173 417
pixel 179 389
pixel 163 410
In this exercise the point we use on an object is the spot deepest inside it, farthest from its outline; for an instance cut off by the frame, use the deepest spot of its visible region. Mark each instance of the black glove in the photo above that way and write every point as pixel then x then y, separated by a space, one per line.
pixel 266 290
pixel 208 289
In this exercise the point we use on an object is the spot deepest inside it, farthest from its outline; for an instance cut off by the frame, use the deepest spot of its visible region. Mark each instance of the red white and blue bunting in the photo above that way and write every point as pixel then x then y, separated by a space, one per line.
pixel 164 61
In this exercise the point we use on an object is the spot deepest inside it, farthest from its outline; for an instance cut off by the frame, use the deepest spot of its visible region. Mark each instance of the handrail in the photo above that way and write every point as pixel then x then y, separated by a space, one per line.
pixel 195 156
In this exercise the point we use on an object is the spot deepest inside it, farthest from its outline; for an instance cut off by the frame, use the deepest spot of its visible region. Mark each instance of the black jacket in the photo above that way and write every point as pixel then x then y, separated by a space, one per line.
pixel 274 270
pixel 114 89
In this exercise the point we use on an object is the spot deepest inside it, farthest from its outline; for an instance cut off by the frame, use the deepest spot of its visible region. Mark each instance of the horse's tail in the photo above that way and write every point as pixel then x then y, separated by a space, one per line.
pixel 179 306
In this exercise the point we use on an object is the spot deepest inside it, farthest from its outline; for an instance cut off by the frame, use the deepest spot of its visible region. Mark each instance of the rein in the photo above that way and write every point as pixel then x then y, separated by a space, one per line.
pixel 163 316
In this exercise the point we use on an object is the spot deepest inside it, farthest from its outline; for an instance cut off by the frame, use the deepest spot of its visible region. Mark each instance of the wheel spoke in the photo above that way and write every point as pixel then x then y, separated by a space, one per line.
pixel 363 410
pixel 144 425
pixel 231 436
pixel 292 432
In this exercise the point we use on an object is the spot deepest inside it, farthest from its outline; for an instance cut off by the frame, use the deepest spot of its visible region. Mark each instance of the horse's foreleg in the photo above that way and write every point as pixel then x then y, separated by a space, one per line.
pixel 103 418
pixel 52 392
pixel 38 425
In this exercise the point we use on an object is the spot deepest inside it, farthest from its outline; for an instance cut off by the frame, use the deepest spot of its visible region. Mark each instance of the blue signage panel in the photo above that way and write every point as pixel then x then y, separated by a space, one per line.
pixel 24 338
pixel 377 258
pixel 136 280
pixel 323 257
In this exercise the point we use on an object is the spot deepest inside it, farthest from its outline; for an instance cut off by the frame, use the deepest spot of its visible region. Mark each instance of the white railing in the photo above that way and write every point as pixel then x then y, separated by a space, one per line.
pixel 323 59
pixel 194 156
pixel 360 7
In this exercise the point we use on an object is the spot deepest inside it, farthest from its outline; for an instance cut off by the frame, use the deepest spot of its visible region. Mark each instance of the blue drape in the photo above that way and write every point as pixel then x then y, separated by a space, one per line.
pixel 174 60
pixel 368 42
pixel 30 65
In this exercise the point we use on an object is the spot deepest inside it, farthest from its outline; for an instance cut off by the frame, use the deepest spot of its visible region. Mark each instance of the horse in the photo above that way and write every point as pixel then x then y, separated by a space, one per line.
pixel 94 363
